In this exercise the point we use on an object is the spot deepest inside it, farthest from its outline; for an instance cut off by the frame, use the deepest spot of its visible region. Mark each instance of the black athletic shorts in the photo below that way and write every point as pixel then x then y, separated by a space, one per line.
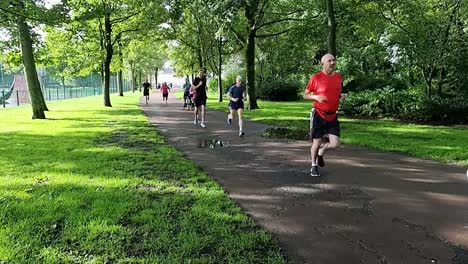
pixel 200 100
pixel 236 105
pixel 319 126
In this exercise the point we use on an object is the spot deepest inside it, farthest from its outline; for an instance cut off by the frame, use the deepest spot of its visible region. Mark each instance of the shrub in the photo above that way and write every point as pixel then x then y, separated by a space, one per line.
pixel 368 83
pixel 405 105
pixel 278 91
pixel 213 85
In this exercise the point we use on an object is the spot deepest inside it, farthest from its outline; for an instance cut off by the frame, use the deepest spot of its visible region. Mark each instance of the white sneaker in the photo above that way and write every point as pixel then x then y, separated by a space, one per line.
pixel 195 121
pixel 241 133
pixel 202 125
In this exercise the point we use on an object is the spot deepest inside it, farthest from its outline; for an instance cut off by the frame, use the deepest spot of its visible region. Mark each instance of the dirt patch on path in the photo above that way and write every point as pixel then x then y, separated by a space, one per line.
pixel 369 207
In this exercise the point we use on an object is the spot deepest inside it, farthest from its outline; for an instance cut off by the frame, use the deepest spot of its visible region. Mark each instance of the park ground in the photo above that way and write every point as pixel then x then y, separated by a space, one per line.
pixel 95 184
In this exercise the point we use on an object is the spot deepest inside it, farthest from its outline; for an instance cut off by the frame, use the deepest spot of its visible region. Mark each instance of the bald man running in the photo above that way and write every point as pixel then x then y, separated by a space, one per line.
pixel 324 89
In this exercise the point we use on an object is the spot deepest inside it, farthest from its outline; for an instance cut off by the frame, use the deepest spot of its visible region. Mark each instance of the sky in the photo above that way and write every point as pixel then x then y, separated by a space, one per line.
pixel 50 3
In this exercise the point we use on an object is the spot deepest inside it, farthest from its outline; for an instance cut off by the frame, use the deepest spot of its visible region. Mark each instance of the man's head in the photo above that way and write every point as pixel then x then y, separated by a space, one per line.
pixel 201 72
pixel 238 80
pixel 328 63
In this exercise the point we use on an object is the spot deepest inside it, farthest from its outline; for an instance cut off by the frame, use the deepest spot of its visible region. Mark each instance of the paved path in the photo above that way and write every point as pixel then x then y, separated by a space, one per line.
pixel 369 206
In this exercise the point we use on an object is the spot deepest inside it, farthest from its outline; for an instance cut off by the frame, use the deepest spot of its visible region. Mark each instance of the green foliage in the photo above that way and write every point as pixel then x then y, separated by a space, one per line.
pixel 212 84
pixel 369 83
pixel 279 90
pixel 406 105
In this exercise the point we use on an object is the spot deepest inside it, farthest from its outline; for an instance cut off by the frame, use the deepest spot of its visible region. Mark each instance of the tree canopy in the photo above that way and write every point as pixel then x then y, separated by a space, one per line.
pixel 421 46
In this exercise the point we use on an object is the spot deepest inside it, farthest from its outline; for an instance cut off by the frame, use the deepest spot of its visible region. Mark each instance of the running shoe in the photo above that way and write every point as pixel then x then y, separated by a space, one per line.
pixel 314 171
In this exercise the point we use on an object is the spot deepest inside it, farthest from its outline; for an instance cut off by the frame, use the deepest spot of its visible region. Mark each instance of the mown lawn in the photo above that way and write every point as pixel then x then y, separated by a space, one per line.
pixel 99 185
pixel 442 143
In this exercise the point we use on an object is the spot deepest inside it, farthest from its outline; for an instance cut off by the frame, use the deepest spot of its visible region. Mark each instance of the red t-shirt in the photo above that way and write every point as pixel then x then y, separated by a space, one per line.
pixel 164 89
pixel 330 87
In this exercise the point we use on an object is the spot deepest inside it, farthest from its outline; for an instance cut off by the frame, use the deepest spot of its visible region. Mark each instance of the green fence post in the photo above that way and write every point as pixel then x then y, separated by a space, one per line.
pixel 3 98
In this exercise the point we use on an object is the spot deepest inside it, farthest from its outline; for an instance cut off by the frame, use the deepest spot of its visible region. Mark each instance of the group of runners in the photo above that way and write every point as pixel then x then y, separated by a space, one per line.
pixel 324 89
pixel 195 95
pixel 164 90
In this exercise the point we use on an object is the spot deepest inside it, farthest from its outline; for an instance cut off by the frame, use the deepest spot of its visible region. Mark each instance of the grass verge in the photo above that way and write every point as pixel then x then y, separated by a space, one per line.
pixel 98 185
pixel 442 143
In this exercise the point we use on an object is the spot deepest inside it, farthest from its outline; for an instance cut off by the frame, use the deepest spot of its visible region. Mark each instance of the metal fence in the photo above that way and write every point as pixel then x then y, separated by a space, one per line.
pixel 52 90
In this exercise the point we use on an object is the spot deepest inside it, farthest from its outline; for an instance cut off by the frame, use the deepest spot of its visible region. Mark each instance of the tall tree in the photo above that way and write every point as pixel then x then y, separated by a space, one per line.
pixel 331 28
pixel 18 13
pixel 260 16
pixel 424 33
pixel 35 94
pixel 112 19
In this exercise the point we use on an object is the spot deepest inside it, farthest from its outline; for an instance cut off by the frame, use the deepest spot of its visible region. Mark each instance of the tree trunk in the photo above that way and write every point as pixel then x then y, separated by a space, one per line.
pixel 442 80
pixel 63 87
pixel 34 87
pixel 428 78
pixel 220 65
pixel 200 59
pixel 107 60
pixel 193 77
pixel 331 28
pixel 250 61
pixel 139 79
pixel 120 74
pixel 120 82
pixel 156 77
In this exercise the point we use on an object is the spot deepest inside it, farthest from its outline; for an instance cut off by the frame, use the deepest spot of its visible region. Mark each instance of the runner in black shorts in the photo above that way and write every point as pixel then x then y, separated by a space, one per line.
pixel 324 88
pixel 146 87
pixel 319 127
pixel 199 88
pixel 236 96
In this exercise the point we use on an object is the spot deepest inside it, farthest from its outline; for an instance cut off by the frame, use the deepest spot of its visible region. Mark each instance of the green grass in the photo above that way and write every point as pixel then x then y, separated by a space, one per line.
pixel 442 143
pixel 99 185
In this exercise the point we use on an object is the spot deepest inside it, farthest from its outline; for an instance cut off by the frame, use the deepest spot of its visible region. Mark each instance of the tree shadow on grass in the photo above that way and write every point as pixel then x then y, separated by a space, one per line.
pixel 119 197
pixel 56 223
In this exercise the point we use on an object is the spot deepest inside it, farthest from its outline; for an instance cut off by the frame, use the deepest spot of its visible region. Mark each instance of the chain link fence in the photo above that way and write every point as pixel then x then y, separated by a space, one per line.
pixel 14 92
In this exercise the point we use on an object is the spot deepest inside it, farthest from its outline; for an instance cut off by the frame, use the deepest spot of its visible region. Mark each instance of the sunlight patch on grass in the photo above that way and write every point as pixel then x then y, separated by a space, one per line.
pixel 93 184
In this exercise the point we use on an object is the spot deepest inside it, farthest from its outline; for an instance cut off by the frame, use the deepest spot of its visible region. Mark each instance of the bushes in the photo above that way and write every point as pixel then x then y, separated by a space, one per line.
pixel 278 91
pixel 406 105
pixel 212 84
pixel 367 83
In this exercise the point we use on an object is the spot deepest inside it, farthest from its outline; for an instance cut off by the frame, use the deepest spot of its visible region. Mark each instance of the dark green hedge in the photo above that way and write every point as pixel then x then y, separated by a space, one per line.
pixel 278 91
pixel 408 106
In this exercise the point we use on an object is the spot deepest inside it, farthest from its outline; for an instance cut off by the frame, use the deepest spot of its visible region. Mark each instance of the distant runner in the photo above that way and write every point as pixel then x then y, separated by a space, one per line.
pixel 146 86
pixel 165 91
pixel 236 95
pixel 199 93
